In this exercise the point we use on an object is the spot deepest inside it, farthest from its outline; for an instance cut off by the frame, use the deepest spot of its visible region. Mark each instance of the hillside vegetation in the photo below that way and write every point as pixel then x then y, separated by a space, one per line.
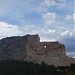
pixel 29 68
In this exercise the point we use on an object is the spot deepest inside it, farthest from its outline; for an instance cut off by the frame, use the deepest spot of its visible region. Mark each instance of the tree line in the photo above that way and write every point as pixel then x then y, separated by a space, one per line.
pixel 29 68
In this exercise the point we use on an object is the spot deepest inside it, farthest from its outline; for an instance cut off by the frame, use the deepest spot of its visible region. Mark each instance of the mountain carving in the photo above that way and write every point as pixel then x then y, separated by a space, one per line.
pixel 29 48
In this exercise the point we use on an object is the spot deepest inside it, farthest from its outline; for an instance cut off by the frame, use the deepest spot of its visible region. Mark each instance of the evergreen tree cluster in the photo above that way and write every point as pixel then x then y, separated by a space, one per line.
pixel 29 68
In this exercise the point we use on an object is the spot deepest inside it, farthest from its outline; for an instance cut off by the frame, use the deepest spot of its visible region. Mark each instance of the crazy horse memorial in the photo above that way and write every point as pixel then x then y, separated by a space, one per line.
pixel 29 48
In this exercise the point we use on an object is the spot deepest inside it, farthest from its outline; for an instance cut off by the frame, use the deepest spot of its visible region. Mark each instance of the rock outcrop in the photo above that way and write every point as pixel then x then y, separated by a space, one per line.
pixel 29 48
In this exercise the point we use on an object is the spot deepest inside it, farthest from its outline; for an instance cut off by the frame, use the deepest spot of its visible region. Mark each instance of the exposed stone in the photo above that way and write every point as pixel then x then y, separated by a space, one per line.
pixel 30 48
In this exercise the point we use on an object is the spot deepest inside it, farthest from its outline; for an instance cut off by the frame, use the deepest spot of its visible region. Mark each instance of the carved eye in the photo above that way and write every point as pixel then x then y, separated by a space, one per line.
pixel 45 46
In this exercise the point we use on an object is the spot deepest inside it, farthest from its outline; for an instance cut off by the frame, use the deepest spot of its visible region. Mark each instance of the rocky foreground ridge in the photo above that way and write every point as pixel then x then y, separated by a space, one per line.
pixel 29 48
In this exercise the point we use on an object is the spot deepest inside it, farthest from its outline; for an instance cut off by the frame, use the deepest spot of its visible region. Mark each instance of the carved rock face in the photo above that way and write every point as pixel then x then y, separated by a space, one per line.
pixel 30 48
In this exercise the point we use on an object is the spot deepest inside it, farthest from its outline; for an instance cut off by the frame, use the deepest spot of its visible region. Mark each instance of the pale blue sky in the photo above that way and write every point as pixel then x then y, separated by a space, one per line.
pixel 51 19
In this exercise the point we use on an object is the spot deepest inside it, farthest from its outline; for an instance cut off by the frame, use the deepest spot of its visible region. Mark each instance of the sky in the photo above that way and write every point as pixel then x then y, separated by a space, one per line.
pixel 52 20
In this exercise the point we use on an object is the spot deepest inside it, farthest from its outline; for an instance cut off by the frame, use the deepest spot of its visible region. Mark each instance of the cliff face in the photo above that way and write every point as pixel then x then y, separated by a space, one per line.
pixel 13 48
pixel 30 48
